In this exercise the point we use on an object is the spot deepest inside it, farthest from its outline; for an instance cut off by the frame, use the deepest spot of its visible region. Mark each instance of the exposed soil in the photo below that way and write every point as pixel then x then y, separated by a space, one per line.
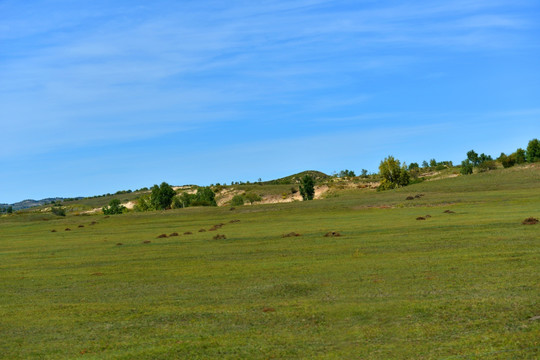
pixel 162 236
pixel 81 226
pixel 174 234
pixel 409 198
pixel 530 221
pixel 68 229
pixel 268 309
pixel 93 223
pixel 53 230
pixel 332 234
pixel 119 244
pixel 448 212
pixel 188 233
pixel 427 216
pixel 418 196
pixel 202 230
pixel 291 234
pixel 219 237
pixel 420 218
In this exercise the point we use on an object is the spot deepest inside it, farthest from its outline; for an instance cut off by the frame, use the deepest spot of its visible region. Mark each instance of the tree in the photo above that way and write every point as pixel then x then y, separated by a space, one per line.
pixel 346 173
pixel 466 167
pixel 10 210
pixel 114 208
pixel 393 174
pixel 307 188
pixel 364 173
pixel 425 164
pixel 252 197
pixel 533 151
pixel 237 200
pixel 161 196
pixel 472 156
pixel 432 163
pixel 507 161
pixel 520 156
pixel 205 197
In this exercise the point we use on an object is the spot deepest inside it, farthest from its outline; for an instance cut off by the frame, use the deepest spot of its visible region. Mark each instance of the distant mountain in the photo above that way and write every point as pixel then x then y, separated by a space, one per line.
pixel 25 204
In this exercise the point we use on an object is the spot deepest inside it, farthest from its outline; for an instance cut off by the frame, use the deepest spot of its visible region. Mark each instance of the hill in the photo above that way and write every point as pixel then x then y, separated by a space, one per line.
pixel 450 274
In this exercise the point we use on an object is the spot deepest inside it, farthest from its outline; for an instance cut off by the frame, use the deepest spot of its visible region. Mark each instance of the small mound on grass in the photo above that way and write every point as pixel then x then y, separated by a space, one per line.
pixel 162 236
pixel 232 209
pixel 332 234
pixel 420 218
pixel 219 237
pixel 146 242
pixel 427 216
pixel 119 244
pixel 188 233
pixel 530 221
pixel 93 223
pixel 81 226
pixel 291 234
pixel 448 212
pixel 268 309
pixel 174 234
pixel 97 274
pixel 234 221
pixel 53 230
pixel 418 196
pixel 202 230
pixel 68 229
pixel 409 198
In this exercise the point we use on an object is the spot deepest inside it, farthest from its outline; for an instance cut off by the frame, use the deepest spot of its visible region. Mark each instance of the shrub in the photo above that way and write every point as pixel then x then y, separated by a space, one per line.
pixel 520 156
pixel 507 161
pixel 466 167
pixel 487 165
pixel 307 188
pixel 59 211
pixel 237 200
pixel 533 151
pixel 113 208
pixel 393 174
pixel 252 197
pixel 162 196
pixel 144 203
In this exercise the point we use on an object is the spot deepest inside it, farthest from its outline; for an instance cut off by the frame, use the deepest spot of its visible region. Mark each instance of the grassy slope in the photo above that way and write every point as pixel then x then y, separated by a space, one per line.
pixel 456 286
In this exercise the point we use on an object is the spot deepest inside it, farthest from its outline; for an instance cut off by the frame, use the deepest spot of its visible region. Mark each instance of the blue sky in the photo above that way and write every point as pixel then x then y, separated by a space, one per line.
pixel 99 96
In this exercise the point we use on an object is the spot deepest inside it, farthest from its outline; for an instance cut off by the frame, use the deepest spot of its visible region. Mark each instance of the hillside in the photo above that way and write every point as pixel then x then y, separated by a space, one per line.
pixel 450 274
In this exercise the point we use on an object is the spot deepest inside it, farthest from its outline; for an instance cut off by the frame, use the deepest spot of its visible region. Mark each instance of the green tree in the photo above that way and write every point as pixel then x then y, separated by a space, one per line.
pixel 205 197
pixel 144 203
pixel 162 196
pixel 466 167
pixel 10 210
pixel 425 164
pixel 114 208
pixel 472 156
pixel 237 200
pixel 393 174
pixel 533 151
pixel 307 187
pixel 252 197
pixel 364 173
pixel 432 163
pixel 520 156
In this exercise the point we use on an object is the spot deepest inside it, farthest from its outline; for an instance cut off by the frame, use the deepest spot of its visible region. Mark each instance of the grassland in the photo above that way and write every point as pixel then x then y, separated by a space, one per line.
pixel 461 285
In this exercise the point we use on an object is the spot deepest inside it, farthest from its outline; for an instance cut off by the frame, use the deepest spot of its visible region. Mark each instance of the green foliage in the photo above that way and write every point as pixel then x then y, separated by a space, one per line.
pixel 162 196
pixel 144 203
pixel 205 196
pixel 432 163
pixel 364 173
pixel 472 156
pixel 113 208
pixel 520 156
pixel 252 197
pixel 307 188
pixel 413 165
pixel 393 174
pixel 58 211
pixel 237 200
pixel 346 173
pixel 466 167
pixel 533 150
pixel 487 165
pixel 9 210
pixel 507 161
pixel 425 164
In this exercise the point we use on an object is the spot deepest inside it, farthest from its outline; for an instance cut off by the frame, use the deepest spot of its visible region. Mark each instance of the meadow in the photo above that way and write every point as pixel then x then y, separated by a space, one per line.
pixel 461 284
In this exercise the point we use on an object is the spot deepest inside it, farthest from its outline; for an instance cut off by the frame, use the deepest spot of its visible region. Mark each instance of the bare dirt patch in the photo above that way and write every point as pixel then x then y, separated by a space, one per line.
pixel 81 226
pixel 188 233
pixel 420 218
pixel 530 221
pixel 173 234
pixel 67 229
pixel 162 236
pixel 291 234
pixel 219 237
pixel 53 230
pixel 448 212
pixel 202 230
pixel 268 309
pixel 332 234
pixel 119 244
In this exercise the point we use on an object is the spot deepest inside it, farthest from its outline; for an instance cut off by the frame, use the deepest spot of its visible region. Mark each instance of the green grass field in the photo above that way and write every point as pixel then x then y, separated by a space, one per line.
pixel 460 285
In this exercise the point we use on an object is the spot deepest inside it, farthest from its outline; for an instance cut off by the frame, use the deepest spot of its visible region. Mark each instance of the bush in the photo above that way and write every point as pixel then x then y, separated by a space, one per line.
pixel 307 188
pixel 520 156
pixel 252 197
pixel 466 167
pixel 487 165
pixel 533 151
pixel 393 174
pixel 204 197
pixel 237 200
pixel 113 208
pixel 59 211
pixel 144 203
pixel 507 161
pixel 162 196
